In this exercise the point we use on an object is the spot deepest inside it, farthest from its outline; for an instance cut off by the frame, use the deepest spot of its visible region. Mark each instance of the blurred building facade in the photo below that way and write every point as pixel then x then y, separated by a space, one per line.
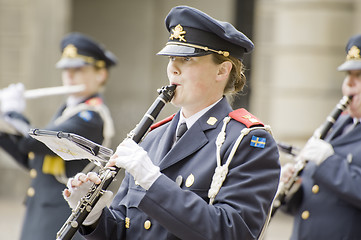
pixel 293 84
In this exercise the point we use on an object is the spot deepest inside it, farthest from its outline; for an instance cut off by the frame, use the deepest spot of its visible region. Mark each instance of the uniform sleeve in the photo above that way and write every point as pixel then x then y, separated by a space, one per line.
pixel 111 224
pixel 294 203
pixel 91 129
pixel 241 206
pixel 10 144
pixel 342 177
pixel 87 124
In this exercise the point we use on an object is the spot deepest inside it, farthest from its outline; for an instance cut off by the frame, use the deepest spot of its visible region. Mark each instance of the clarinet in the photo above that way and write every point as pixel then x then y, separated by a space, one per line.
pixel 286 191
pixel 107 175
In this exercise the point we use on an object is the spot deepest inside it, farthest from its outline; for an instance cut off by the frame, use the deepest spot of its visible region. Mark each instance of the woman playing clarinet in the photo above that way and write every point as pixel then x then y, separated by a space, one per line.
pixel 207 172
pixel 328 203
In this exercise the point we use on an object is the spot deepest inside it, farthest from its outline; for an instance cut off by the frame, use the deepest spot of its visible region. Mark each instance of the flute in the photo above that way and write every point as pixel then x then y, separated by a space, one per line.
pixel 286 190
pixel 107 175
pixel 52 91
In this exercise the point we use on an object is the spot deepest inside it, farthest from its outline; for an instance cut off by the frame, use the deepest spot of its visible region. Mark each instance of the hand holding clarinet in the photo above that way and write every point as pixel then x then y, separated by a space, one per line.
pixel 87 195
pixel 129 156
pixel 316 149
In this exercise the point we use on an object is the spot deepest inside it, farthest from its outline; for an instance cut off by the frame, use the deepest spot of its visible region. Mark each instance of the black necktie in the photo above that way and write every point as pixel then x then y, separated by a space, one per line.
pixel 348 125
pixel 351 126
pixel 357 122
pixel 181 130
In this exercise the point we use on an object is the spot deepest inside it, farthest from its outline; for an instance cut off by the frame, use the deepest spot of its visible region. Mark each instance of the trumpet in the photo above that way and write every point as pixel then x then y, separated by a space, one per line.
pixel 107 175
pixel 52 91
pixel 287 190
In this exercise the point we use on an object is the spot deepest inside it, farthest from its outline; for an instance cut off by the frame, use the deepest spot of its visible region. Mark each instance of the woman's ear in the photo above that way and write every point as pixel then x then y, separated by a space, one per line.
pixel 224 71
pixel 102 75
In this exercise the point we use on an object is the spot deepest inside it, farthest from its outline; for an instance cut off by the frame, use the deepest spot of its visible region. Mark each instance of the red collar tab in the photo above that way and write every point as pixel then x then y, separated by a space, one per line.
pixel 94 101
pixel 160 123
pixel 243 116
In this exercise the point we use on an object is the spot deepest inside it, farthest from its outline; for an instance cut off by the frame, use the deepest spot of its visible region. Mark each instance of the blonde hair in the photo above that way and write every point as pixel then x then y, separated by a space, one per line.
pixel 237 79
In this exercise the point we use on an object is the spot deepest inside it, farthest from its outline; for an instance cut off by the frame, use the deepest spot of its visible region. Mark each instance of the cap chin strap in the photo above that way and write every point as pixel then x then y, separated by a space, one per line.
pixel 224 53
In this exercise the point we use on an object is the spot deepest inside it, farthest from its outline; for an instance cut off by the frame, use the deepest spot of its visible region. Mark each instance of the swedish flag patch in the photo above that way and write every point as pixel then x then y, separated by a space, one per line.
pixel 258 142
pixel 86 115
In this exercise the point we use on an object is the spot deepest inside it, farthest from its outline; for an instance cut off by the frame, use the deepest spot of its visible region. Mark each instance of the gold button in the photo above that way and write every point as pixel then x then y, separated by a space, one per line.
pixel 31 155
pixel 179 180
pixel 31 192
pixel 190 180
pixel 147 224
pixel 315 189
pixel 33 173
pixel 305 215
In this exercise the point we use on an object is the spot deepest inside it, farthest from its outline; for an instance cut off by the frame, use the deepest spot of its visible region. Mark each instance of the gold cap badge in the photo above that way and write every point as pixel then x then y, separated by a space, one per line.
pixel 70 51
pixel 178 33
pixel 353 53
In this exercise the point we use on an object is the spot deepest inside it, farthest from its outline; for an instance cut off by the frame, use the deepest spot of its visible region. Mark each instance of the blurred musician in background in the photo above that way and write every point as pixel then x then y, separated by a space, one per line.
pixel 328 203
pixel 168 191
pixel 85 62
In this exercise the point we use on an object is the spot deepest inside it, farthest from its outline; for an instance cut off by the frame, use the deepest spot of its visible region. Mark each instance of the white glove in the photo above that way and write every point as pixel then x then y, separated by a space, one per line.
pixel 12 98
pixel 316 150
pixel 76 193
pixel 135 160
pixel 287 172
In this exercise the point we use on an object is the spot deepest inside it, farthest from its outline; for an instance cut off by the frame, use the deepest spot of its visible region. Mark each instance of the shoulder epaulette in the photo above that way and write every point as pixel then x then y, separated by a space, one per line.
pixel 95 101
pixel 243 116
pixel 160 123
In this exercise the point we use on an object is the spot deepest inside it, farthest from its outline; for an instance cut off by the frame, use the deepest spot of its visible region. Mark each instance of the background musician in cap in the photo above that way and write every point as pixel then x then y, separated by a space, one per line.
pixel 328 204
pixel 83 61
pixel 167 192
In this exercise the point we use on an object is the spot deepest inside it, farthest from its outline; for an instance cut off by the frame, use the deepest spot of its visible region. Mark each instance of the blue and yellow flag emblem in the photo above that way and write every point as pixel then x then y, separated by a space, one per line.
pixel 258 142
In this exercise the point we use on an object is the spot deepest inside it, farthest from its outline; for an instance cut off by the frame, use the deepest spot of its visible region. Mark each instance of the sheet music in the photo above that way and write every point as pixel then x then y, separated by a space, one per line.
pixel 67 149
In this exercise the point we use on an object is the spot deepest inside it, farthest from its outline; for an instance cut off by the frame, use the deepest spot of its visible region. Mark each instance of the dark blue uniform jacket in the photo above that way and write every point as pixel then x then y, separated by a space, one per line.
pixel 180 209
pixel 328 205
pixel 46 209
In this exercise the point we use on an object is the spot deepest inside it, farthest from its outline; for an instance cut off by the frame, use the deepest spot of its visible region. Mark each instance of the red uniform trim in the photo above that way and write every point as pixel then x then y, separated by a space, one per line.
pixel 243 116
pixel 94 101
pixel 160 123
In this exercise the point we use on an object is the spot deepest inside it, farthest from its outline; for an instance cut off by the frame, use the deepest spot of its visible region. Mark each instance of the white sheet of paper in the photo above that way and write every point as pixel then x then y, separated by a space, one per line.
pixel 66 149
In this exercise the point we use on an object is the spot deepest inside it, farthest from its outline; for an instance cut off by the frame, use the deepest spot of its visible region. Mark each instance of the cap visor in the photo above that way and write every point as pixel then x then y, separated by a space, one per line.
pixel 70 63
pixel 182 51
pixel 350 65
